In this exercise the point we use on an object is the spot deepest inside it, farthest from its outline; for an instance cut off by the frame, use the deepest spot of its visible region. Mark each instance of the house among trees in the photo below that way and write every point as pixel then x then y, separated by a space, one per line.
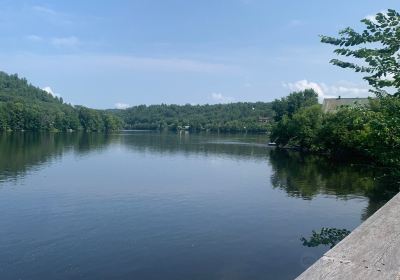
pixel 331 104
pixel 264 119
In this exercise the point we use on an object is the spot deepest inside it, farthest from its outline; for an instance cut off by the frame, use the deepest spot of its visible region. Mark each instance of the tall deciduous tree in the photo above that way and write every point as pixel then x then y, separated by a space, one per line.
pixel 291 104
pixel 377 46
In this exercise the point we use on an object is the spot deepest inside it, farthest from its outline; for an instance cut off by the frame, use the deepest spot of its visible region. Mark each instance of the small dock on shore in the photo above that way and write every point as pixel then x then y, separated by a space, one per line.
pixel 371 251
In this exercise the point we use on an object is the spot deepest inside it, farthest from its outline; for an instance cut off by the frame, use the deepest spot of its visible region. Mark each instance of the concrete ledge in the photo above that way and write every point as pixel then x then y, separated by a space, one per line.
pixel 371 251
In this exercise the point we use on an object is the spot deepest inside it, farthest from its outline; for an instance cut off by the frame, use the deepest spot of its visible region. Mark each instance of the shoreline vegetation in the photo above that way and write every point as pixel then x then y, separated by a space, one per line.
pixel 369 132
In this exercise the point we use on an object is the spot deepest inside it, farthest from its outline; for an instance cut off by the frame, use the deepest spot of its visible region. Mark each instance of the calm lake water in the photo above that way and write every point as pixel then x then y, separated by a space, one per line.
pixel 150 205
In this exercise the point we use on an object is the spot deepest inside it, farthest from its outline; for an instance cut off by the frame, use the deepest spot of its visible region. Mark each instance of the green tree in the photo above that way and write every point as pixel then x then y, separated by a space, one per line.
pixel 301 129
pixel 296 100
pixel 377 46
pixel 111 122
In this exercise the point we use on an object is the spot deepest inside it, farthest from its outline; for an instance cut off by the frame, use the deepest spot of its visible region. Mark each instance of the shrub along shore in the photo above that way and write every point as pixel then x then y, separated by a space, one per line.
pixel 370 131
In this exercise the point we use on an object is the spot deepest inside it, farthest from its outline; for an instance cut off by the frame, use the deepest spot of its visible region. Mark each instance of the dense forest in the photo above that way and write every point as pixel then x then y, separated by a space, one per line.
pixel 25 107
pixel 233 117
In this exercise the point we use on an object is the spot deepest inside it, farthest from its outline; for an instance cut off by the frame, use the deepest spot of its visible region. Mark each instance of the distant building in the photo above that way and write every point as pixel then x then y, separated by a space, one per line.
pixel 264 119
pixel 185 127
pixel 331 104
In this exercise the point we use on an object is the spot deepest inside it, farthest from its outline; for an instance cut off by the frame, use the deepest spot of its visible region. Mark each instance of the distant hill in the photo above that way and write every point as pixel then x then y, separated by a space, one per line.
pixel 26 107
pixel 13 88
pixel 233 117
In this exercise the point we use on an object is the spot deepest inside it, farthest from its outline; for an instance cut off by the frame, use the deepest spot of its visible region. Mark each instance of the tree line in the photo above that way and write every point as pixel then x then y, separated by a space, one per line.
pixel 233 117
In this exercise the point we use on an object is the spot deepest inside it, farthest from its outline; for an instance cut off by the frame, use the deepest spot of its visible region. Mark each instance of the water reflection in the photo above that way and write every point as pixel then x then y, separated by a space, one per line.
pixel 229 145
pixel 299 175
pixel 326 236
pixel 21 152
pixel 306 176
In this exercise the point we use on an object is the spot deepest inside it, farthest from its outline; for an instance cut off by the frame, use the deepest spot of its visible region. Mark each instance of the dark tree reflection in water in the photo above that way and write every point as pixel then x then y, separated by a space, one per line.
pixel 306 176
pixel 326 236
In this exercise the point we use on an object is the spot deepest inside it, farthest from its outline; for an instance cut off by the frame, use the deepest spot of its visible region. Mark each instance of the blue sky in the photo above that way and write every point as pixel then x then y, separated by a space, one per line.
pixel 107 54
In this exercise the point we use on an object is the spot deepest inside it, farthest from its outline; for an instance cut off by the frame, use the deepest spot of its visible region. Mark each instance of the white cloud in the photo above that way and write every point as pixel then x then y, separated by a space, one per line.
pixel 347 89
pixel 54 17
pixel 372 17
pixel 34 38
pixel 120 105
pixel 69 42
pixel 304 84
pixel 342 88
pixel 50 91
pixel 218 97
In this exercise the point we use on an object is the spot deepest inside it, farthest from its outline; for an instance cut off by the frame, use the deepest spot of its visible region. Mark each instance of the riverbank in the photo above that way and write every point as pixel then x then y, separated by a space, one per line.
pixel 371 251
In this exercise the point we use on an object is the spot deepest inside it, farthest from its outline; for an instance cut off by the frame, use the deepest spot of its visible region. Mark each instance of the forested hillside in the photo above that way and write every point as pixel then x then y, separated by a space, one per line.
pixel 25 107
pixel 233 117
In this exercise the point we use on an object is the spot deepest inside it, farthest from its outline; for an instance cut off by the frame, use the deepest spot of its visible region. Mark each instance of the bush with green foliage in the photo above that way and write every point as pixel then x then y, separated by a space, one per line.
pixel 298 119
pixel 292 103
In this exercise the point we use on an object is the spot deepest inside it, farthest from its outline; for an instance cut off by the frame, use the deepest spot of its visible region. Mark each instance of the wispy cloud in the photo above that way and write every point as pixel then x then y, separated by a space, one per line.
pixel 34 38
pixel 295 23
pixel 342 88
pixel 220 98
pixel 125 63
pixel 167 64
pixel 347 89
pixel 121 105
pixel 69 42
pixel 59 42
pixel 53 16
pixel 45 10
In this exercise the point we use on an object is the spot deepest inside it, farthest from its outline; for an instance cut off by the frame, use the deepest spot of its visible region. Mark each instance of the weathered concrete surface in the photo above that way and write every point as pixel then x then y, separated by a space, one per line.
pixel 371 251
